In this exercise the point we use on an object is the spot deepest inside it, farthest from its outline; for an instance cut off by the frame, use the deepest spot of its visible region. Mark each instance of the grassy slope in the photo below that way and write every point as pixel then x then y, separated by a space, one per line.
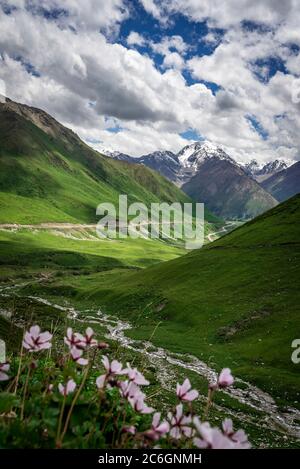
pixel 50 250
pixel 43 178
pixel 284 184
pixel 232 195
pixel 34 256
pixel 235 302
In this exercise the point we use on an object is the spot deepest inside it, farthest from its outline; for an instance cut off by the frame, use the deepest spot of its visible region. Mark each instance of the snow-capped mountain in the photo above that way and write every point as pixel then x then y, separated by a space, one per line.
pixel 191 156
pixel 253 167
pixel 284 184
pixel 263 171
pixel 275 166
pixel 160 156
pixel 208 174
pixel 164 162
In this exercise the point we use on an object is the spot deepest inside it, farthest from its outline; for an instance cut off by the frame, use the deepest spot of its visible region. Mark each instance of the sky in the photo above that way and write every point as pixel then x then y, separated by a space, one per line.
pixel 137 76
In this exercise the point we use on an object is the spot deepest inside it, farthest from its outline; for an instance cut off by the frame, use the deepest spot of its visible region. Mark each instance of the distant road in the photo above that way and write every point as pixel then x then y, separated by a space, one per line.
pixel 82 226
pixel 223 230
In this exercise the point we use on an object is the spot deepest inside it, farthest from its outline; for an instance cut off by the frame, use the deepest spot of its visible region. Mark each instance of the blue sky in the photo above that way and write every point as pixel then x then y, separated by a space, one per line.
pixel 140 75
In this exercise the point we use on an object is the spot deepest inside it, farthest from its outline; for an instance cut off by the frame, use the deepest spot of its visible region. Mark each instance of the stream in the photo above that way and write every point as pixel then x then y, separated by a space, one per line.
pixel 286 421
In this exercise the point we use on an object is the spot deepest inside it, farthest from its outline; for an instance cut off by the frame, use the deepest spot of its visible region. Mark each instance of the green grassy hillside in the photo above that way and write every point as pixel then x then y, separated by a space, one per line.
pixel 53 176
pixel 235 302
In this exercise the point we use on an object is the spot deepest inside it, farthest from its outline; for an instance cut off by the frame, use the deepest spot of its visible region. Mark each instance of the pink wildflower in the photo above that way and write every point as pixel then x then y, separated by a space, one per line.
pixel 4 367
pixel 76 355
pixel 225 378
pixel 112 369
pixel 137 402
pixel 129 429
pixel 68 389
pixel 135 397
pixel 87 340
pixel 185 393
pixel 211 438
pixel 180 423
pixel 71 339
pixel 239 437
pixel 128 389
pixel 158 429
pixel 35 340
pixel 135 376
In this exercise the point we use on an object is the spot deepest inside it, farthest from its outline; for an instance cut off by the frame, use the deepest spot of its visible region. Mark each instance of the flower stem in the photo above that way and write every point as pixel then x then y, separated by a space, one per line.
pixel 60 420
pixel 19 369
pixel 73 405
pixel 209 403
pixel 25 392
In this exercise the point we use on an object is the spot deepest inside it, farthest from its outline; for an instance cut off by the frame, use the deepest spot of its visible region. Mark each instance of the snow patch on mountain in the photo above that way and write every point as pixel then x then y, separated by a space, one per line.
pixel 263 171
pixel 160 156
pixel 191 156
pixel 117 155
pixel 182 166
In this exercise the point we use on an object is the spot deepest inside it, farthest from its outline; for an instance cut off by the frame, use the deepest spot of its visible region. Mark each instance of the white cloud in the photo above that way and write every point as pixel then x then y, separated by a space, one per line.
pixel 169 43
pixel 135 39
pixel 88 14
pixel 93 84
pixel 173 49
pixel 173 60
pixel 152 7
pixel 224 14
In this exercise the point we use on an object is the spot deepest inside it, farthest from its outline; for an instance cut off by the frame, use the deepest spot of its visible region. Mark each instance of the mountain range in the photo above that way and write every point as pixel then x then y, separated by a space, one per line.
pixel 42 162
pixel 284 184
pixel 261 172
pixel 208 174
pixel 229 189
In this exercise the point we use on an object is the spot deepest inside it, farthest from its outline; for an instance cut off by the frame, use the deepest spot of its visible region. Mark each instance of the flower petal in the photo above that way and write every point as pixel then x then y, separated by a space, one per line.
pixel 191 395
pixel 45 337
pixel 44 346
pixel 34 331
pixel 100 381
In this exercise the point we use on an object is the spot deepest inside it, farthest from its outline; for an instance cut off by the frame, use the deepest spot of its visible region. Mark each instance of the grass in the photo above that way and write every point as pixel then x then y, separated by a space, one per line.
pixel 161 395
pixel 44 249
pixel 235 302
pixel 61 179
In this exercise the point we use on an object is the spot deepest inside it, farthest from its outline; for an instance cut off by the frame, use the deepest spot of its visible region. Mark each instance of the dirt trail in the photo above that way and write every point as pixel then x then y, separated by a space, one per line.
pixel 224 229
pixel 82 232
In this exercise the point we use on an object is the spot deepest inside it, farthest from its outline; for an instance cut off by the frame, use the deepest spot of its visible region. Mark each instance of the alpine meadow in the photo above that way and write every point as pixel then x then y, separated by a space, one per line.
pixel 149 229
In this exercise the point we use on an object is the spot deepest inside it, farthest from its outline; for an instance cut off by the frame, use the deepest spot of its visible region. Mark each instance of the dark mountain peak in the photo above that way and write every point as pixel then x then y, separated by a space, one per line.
pixel 192 156
pixel 228 191
pixel 262 171
pixel 160 156
pixel 285 183
pixel 42 120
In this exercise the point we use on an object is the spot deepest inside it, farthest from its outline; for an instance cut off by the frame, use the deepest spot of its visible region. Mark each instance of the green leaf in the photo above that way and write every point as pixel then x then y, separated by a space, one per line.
pixel 7 402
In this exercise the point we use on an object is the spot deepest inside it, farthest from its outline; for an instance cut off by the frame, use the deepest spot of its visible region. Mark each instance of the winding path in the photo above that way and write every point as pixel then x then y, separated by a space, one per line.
pixel 223 230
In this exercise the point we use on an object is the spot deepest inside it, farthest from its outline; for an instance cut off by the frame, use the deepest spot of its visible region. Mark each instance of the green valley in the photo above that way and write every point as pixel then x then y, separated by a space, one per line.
pixel 234 303
pixel 236 300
